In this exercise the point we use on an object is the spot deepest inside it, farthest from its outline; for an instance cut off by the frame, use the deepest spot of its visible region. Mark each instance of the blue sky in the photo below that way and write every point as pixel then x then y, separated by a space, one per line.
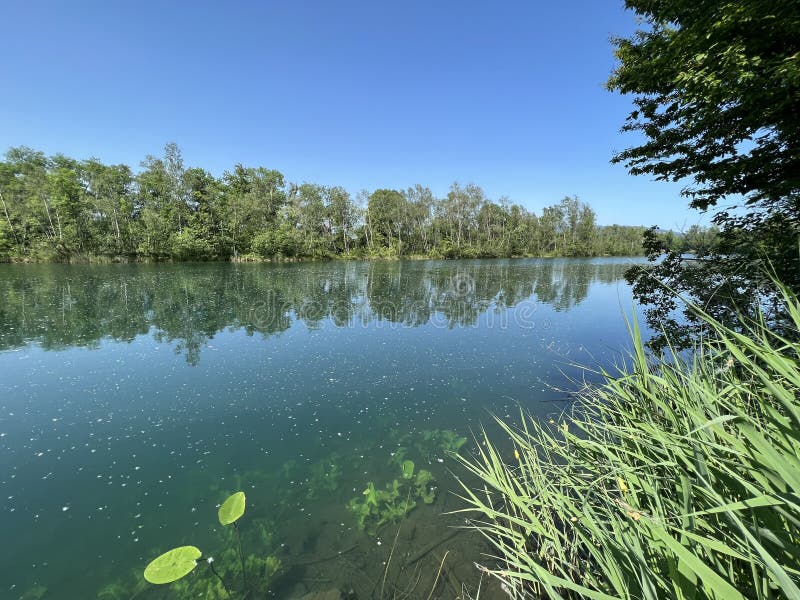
pixel 508 95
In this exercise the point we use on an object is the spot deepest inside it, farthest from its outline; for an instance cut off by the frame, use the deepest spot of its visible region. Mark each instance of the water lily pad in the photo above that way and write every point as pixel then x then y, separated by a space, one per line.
pixel 172 565
pixel 232 509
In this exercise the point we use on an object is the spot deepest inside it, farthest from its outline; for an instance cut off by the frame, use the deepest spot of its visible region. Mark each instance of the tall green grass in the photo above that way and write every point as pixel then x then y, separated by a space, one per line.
pixel 676 478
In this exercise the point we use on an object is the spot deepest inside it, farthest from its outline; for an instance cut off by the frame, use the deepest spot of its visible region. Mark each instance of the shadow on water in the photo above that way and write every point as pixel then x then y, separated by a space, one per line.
pixel 137 397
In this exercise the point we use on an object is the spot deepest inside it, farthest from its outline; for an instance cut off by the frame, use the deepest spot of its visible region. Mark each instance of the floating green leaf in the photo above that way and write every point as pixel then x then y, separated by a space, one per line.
pixel 172 565
pixel 232 509
pixel 408 469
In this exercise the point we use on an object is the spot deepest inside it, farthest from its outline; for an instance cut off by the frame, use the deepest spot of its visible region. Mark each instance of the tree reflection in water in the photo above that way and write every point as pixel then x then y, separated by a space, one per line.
pixel 61 306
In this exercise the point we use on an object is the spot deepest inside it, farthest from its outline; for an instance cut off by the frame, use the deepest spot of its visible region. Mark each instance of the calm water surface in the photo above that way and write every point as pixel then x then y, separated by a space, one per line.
pixel 134 399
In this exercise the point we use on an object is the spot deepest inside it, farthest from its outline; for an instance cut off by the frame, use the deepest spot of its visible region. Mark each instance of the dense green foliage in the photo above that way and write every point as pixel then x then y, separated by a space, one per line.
pixel 675 479
pixel 60 209
pixel 717 99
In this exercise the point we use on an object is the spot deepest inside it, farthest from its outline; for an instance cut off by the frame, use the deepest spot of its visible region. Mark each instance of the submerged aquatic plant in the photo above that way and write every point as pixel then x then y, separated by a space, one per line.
pixel 430 444
pixel 229 513
pixel 447 440
pixel 113 591
pixel 174 565
pixel 425 486
pixel 37 592
pixel 398 456
pixel 375 507
pixel 263 569
pixel 325 478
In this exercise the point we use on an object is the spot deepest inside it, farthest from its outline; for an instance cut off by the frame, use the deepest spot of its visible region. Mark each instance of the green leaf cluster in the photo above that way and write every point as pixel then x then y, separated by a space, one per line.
pixel 715 86
pixel 374 507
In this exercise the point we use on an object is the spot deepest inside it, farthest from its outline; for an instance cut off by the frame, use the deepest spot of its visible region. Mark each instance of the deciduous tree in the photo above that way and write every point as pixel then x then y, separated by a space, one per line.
pixel 716 87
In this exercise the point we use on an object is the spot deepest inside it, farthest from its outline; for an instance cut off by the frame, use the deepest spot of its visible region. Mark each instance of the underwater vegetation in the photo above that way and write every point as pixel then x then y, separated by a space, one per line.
pixel 430 444
pixel 121 589
pixel 374 507
pixel 444 439
pixel 261 573
pixel 325 478
pixel 237 570
pixel 37 592
pixel 228 579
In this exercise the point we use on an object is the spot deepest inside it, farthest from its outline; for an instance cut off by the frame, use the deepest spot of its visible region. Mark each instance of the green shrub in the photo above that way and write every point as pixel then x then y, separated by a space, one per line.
pixel 6 241
pixel 679 477
pixel 190 245
pixel 281 242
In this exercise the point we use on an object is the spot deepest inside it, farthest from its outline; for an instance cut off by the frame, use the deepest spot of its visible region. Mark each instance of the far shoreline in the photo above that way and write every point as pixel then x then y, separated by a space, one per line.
pixel 251 259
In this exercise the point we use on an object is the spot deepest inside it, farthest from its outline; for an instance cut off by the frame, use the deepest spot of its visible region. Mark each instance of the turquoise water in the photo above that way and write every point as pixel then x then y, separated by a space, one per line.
pixel 136 398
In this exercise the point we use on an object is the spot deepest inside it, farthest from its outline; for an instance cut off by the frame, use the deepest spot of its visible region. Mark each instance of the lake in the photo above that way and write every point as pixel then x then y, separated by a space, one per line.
pixel 136 398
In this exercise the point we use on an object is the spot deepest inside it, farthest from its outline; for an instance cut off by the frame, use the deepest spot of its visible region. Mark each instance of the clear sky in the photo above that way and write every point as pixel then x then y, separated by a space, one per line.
pixel 364 94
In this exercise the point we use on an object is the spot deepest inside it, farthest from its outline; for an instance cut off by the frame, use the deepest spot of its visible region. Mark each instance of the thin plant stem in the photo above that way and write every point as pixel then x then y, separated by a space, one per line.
pixel 221 580
pixel 438 573
pixel 241 553
pixel 389 561
pixel 394 545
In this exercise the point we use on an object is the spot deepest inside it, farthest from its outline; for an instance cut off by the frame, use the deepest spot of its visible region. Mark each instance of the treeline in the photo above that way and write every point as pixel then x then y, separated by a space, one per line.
pixel 695 240
pixel 56 208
